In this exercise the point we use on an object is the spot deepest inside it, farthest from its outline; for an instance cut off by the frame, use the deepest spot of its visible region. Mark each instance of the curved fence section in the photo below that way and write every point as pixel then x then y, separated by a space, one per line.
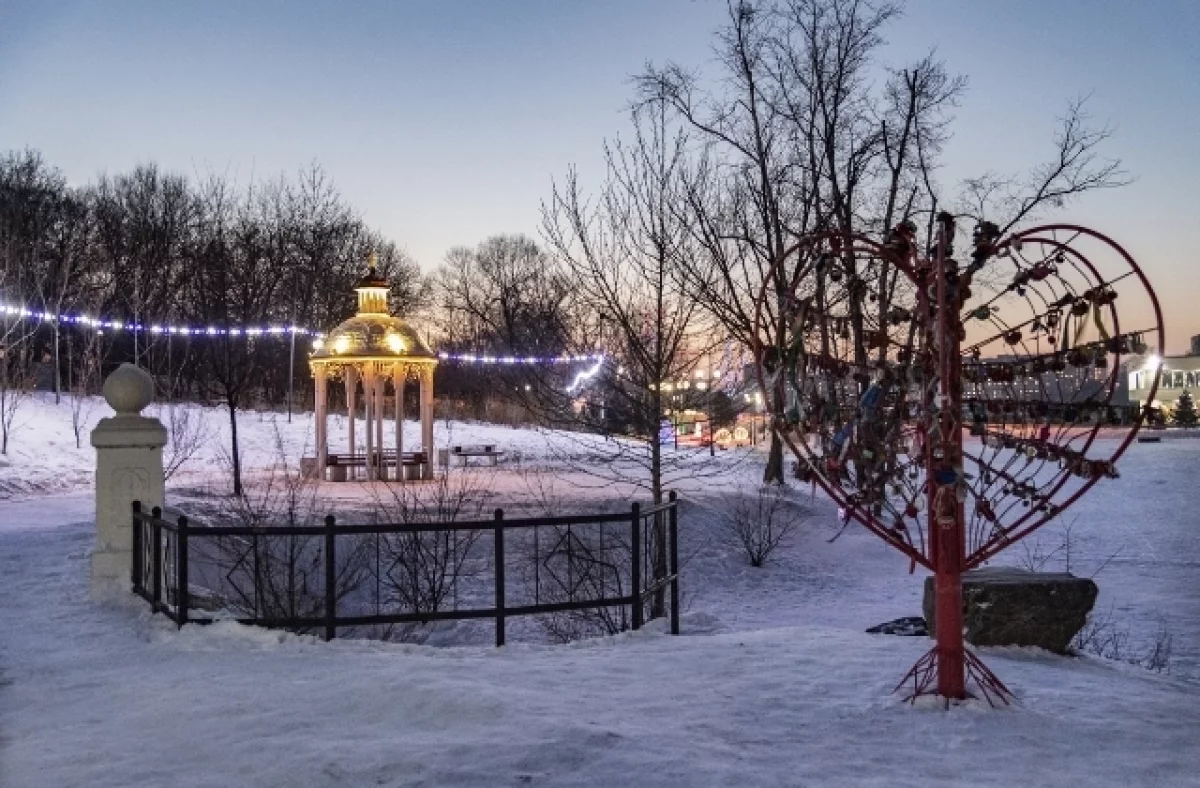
pixel 589 574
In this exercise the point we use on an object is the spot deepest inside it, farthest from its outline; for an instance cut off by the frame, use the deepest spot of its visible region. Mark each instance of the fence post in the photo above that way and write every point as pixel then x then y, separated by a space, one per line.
pixel 498 551
pixel 673 569
pixel 257 574
pixel 330 579
pixel 181 573
pixel 135 568
pixel 156 562
pixel 635 568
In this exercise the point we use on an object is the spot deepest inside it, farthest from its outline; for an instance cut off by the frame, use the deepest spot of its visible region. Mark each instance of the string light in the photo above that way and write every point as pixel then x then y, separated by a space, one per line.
pixel 160 329
pixel 156 328
pixel 586 374
pixel 475 358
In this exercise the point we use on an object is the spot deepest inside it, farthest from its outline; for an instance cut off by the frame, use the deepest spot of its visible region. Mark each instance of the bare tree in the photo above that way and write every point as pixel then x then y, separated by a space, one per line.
pixel 795 138
pixel 1075 168
pixel 147 250
pixel 187 434
pixel 64 275
pixel 31 197
pixel 751 192
pixel 419 571
pixel 15 385
pixel 234 284
pixel 760 523
pixel 143 225
pixel 504 293
pixel 621 252
pixel 573 563
pixel 83 383
pixel 507 296
pixel 272 576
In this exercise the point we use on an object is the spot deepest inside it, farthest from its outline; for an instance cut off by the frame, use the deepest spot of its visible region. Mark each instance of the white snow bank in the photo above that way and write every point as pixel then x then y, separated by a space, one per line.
pixel 781 689
pixel 114 697
pixel 43 456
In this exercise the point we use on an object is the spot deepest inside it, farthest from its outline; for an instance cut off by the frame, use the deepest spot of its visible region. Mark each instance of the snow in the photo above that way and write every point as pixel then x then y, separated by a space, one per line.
pixel 44 457
pixel 773 683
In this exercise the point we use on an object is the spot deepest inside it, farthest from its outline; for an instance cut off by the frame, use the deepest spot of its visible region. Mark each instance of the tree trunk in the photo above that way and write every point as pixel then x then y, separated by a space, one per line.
pixel 658 535
pixel 57 368
pixel 237 457
pixel 773 473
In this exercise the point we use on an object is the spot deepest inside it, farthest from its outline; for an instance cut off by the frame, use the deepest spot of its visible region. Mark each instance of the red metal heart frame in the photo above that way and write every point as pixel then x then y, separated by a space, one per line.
pixel 875 360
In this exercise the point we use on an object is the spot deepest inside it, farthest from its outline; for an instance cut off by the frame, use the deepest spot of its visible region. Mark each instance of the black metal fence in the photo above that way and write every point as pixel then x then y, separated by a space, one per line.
pixel 595 573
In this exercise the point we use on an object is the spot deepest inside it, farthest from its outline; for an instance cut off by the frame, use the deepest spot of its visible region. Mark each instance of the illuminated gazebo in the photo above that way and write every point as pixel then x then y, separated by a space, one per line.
pixel 371 350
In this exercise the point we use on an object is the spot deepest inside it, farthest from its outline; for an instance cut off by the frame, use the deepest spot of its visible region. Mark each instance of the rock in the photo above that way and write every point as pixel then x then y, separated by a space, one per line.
pixel 1012 607
pixel 909 625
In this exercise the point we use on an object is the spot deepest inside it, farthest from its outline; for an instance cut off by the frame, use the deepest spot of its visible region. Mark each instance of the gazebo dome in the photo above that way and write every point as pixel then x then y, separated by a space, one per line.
pixel 372 335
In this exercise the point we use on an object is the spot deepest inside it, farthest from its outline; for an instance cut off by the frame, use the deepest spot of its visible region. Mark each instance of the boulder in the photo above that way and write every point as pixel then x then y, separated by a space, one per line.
pixel 1005 606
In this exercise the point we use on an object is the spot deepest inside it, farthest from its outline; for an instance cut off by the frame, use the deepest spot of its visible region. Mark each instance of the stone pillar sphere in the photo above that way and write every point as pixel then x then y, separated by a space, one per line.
pixel 128 390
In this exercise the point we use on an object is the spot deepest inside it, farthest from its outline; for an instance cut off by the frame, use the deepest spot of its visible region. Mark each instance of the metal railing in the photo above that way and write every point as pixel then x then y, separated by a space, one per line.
pixel 609 569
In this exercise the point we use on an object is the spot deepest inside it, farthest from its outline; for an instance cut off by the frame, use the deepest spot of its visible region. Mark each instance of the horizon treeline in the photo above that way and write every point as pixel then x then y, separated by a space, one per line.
pixel 156 248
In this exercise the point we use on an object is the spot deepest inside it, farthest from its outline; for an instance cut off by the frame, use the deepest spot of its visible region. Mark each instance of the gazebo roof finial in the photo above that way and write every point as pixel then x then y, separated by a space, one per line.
pixel 372 279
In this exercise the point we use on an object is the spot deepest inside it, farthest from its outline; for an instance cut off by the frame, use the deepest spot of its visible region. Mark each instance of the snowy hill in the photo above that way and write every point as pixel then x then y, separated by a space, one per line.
pixel 43 455
pixel 773 682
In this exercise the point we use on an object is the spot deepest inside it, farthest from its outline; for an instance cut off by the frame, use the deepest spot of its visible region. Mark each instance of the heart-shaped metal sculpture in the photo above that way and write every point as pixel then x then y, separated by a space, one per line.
pixel 953 408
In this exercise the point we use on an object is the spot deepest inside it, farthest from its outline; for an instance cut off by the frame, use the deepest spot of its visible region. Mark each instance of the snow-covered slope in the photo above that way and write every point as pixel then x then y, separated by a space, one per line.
pixel 775 684
pixel 112 697
pixel 43 456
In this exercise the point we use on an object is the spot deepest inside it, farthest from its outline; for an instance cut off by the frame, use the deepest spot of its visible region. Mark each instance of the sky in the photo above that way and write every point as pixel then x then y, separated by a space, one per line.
pixel 446 122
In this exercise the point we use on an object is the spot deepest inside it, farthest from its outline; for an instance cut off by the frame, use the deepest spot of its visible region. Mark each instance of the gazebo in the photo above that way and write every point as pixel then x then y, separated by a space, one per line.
pixel 371 349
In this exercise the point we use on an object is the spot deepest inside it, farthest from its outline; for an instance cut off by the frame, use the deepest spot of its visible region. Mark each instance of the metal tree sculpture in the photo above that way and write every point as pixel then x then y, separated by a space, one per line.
pixel 953 408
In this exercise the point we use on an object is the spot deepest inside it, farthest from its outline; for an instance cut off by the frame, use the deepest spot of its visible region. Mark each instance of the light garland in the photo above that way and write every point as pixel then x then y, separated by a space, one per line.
pixel 586 374
pixel 477 358
pixel 158 329
pixel 155 328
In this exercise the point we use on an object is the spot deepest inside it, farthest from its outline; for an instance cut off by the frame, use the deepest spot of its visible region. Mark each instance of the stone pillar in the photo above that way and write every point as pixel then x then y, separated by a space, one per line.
pixel 398 375
pixel 351 375
pixel 129 467
pixel 369 418
pixel 380 380
pixel 320 379
pixel 427 419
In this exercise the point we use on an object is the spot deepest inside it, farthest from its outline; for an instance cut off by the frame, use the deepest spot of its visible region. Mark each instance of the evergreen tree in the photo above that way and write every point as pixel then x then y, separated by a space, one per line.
pixel 1185 411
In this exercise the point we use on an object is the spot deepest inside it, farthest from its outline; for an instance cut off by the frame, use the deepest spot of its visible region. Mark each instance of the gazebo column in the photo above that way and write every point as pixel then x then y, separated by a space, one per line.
pixel 351 392
pixel 321 408
pixel 427 419
pixel 380 382
pixel 398 373
pixel 369 414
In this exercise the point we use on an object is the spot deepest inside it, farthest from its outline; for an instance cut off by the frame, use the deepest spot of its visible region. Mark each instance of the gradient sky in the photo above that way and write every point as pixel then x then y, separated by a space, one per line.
pixel 444 122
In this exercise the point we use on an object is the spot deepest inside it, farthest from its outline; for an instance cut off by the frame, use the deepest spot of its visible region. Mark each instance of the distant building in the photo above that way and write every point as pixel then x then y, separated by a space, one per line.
pixel 1070 385
pixel 1179 373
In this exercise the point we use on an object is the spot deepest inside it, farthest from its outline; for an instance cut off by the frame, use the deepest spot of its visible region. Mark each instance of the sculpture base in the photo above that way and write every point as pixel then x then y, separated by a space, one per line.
pixel 924 678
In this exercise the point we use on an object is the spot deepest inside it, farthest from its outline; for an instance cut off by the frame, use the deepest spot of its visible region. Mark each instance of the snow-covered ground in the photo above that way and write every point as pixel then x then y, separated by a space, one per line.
pixel 774 682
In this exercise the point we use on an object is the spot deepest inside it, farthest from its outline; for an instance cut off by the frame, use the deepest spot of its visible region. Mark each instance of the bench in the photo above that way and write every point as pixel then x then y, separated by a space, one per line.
pixel 466 452
pixel 339 464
